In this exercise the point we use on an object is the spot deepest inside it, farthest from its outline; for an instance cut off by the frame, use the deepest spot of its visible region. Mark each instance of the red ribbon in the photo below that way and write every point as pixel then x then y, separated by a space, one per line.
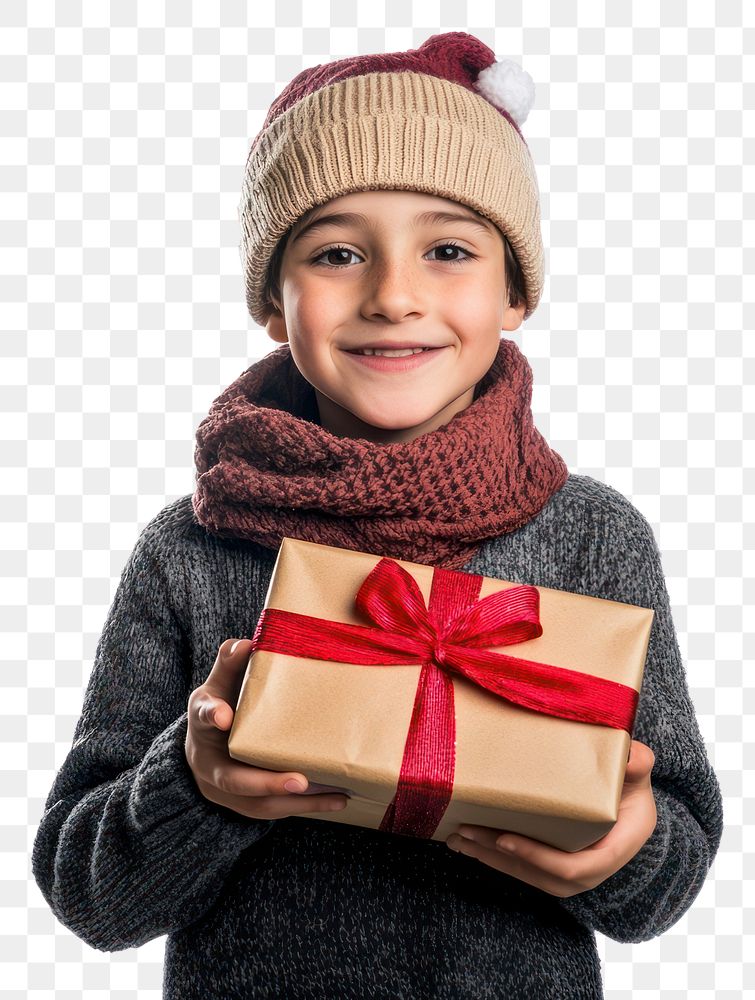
pixel 446 637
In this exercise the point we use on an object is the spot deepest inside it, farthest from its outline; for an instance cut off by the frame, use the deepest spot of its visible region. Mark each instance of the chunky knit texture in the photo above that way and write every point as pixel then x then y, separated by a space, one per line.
pixel 413 120
pixel 266 468
pixel 128 849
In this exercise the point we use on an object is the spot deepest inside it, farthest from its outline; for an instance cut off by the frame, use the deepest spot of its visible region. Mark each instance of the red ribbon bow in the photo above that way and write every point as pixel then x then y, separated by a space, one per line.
pixel 447 637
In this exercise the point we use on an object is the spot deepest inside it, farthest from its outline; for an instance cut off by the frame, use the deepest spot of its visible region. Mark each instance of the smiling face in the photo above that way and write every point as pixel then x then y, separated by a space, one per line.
pixel 390 273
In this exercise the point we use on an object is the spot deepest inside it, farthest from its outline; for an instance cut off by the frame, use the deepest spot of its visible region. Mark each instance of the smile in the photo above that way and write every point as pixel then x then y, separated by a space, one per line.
pixel 395 353
pixel 400 361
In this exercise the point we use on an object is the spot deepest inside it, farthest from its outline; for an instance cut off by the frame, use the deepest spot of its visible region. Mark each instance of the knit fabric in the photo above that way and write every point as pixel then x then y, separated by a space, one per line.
pixel 455 56
pixel 266 468
pixel 129 850
pixel 399 120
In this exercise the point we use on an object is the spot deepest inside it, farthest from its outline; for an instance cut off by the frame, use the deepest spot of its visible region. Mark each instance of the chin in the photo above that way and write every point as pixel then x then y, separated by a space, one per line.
pixel 396 421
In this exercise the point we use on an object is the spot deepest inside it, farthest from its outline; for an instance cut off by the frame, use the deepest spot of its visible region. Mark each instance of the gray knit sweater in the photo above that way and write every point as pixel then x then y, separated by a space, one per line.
pixel 128 849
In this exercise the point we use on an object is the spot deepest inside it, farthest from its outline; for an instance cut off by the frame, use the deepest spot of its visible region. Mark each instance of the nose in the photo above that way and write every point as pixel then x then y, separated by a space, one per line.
pixel 393 292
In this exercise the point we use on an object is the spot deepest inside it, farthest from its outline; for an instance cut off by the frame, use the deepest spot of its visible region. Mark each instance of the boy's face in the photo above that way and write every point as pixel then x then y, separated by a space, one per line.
pixel 395 281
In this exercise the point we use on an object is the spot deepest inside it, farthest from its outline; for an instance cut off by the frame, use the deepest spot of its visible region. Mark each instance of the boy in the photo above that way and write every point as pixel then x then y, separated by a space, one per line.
pixel 150 827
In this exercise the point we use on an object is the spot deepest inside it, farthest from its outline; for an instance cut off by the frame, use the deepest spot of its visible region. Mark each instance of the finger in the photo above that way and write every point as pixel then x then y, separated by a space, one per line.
pixel 276 806
pixel 208 715
pixel 220 715
pixel 215 714
pixel 567 867
pixel 640 763
pixel 293 805
pixel 227 673
pixel 238 778
pixel 514 866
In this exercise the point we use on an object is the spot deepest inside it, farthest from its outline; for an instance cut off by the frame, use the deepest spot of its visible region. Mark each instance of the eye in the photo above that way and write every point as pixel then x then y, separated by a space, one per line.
pixel 454 246
pixel 450 245
pixel 328 250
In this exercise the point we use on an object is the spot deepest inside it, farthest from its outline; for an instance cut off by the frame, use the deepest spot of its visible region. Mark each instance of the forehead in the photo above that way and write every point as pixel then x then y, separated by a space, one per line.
pixel 373 207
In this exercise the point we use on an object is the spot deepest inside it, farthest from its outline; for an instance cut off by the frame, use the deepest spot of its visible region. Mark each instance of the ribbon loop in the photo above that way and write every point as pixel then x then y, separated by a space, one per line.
pixel 506 617
pixel 391 598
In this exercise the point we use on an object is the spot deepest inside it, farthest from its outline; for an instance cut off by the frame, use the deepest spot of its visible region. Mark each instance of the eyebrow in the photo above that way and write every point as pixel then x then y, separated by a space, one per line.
pixel 424 218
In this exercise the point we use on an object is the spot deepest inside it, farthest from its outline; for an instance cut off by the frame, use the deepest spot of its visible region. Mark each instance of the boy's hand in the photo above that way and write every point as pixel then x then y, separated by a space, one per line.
pixel 566 873
pixel 251 791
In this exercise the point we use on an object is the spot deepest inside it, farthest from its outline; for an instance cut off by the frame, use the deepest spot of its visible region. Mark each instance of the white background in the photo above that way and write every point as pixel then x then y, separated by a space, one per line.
pixel 124 132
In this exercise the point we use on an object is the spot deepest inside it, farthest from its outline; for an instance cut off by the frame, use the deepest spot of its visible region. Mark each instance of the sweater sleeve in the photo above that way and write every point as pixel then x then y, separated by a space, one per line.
pixel 128 849
pixel 659 884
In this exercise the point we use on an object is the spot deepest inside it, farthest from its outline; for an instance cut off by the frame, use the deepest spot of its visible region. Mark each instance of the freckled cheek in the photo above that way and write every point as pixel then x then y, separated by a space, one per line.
pixel 314 345
pixel 308 332
pixel 475 304
pixel 317 315
pixel 472 320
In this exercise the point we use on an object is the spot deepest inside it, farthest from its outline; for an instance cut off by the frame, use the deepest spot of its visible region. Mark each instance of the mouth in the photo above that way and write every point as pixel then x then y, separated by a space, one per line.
pixel 396 360
pixel 394 352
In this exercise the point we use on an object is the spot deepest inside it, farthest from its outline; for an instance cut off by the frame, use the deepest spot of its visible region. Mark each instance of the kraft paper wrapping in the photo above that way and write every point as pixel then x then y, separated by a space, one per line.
pixel 345 725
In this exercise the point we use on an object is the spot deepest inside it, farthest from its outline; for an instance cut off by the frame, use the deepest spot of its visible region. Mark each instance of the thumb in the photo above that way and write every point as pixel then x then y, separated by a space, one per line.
pixel 225 677
pixel 220 691
pixel 640 763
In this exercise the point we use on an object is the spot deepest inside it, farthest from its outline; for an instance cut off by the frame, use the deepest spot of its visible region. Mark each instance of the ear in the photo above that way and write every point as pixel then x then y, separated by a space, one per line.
pixel 276 324
pixel 513 316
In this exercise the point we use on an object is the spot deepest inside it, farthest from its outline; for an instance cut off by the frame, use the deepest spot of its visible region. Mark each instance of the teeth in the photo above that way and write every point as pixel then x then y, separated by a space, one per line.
pixel 394 354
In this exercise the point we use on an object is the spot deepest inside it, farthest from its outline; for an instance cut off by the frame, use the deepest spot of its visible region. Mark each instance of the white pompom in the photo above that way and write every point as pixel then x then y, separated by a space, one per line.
pixel 509 87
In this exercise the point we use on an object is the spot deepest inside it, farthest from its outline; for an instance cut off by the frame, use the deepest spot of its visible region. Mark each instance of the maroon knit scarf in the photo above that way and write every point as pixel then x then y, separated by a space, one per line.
pixel 267 468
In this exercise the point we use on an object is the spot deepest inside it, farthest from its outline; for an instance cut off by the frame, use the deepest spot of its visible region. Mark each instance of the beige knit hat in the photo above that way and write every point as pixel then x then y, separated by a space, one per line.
pixel 442 119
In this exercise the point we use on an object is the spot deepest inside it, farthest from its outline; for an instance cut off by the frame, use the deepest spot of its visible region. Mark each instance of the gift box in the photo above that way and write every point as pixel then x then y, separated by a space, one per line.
pixel 435 697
